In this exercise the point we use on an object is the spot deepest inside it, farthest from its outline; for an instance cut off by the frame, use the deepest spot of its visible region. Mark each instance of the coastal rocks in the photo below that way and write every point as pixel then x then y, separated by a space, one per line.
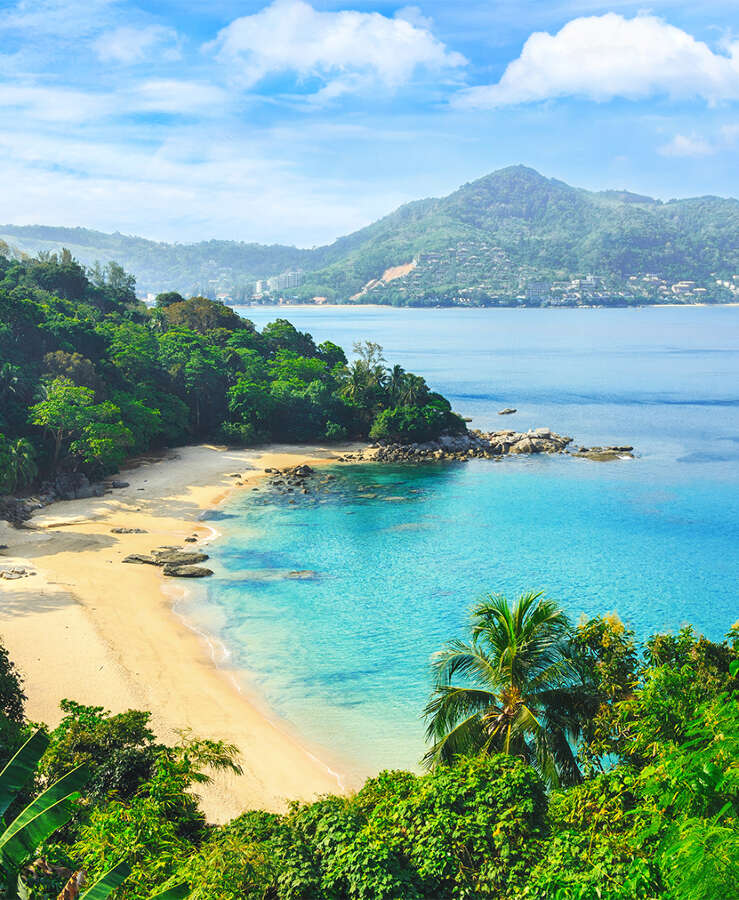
pixel 11 573
pixel 291 479
pixel 128 531
pixel 119 484
pixel 605 454
pixel 167 557
pixel 508 411
pixel 76 486
pixel 141 559
pixel 463 447
pixel 187 571
pixel 178 557
pixel 15 511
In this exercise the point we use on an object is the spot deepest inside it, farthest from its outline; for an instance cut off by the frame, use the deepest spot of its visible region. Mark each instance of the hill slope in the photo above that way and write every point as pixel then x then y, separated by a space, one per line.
pixel 512 236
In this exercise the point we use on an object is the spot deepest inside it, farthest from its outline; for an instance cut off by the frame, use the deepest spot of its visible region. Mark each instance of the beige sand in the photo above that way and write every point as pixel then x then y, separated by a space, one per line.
pixel 93 629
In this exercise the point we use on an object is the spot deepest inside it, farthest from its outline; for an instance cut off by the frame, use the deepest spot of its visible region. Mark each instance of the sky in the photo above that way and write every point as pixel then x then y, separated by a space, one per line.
pixel 297 122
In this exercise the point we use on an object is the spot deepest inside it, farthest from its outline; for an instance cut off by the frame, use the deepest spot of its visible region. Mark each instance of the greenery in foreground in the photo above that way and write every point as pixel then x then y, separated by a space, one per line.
pixel 89 376
pixel 646 805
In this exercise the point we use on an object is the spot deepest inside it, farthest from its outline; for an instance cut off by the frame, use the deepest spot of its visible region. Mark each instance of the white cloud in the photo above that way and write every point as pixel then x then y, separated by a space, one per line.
pixel 182 189
pixel 43 105
pixel 175 97
pixel 601 57
pixel 52 104
pixel 132 45
pixel 687 145
pixel 347 46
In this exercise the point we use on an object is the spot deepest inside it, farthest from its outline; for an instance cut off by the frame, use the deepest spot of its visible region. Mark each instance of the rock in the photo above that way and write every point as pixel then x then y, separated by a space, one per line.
pixel 187 571
pixel 142 559
pixel 178 557
pixel 302 471
pixel 14 572
pixel 525 445
pixel 119 484
pixel 76 486
pixel 508 411
pixel 191 540
pixel 128 531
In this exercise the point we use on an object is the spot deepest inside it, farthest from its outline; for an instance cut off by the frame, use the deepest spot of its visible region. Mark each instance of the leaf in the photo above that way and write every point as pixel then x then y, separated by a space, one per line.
pixel 178 892
pixel 17 844
pixel 105 886
pixel 19 771
pixel 42 816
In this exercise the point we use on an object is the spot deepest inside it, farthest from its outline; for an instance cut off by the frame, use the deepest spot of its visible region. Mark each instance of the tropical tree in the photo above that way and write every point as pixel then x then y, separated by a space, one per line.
pixel 26 833
pixel 17 463
pixel 512 689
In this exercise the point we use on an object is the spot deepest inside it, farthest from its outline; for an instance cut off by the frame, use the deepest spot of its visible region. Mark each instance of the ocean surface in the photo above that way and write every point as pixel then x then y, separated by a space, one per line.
pixel 394 557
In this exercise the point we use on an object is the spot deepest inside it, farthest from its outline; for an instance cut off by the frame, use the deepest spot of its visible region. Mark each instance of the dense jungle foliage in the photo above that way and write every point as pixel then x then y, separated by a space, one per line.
pixel 89 376
pixel 652 813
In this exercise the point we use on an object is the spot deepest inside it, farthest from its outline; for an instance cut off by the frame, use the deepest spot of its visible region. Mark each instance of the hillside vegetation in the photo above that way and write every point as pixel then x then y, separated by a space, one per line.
pixel 511 237
pixel 90 376
pixel 649 807
pixel 493 241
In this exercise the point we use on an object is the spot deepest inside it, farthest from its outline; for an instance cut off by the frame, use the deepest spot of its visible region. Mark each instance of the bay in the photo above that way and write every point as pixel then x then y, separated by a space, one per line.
pixel 399 554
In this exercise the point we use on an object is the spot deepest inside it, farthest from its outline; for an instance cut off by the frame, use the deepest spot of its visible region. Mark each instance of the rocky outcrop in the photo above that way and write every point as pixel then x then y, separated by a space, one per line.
pixel 472 445
pixel 187 571
pixel 168 557
pixel 10 573
pixel 605 454
pixel 128 531
pixel 76 486
pixel 508 411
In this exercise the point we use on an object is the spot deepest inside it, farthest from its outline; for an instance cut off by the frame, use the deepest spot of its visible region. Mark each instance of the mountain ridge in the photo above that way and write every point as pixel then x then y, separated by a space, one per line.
pixel 487 242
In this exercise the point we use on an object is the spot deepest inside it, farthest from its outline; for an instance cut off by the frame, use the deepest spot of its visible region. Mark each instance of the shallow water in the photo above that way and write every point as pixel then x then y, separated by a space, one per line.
pixel 395 556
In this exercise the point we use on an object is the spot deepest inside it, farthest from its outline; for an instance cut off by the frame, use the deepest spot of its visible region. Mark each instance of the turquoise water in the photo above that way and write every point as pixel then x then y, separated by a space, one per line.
pixel 343 655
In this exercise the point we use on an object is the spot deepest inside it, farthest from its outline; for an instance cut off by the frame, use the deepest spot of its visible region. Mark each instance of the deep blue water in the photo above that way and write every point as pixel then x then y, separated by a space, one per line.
pixel 400 553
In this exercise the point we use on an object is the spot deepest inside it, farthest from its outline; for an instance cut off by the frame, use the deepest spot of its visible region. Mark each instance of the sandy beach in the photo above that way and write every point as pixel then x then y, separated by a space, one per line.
pixel 90 628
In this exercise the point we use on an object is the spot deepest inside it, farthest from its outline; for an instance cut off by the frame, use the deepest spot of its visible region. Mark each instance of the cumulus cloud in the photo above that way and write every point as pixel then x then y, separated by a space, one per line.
pixel 290 36
pixel 602 57
pixel 687 145
pixel 132 45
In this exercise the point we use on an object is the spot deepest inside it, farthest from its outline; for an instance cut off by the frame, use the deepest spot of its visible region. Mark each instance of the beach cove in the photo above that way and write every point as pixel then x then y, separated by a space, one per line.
pixel 89 628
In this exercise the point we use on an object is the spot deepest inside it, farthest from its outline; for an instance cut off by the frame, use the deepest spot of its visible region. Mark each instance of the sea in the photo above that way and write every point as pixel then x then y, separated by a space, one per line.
pixel 390 559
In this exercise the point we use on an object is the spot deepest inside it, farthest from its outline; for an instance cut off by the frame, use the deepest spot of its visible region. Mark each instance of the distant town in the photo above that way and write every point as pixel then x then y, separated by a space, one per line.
pixel 475 275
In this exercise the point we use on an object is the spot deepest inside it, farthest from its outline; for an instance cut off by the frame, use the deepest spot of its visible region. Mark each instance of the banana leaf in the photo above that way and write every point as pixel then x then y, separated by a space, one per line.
pixel 30 827
pixel 18 845
pixel 105 886
pixel 178 892
pixel 19 771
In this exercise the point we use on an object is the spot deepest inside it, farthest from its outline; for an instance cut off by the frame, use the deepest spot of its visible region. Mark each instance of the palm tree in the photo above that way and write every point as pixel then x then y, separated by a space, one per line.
pixel 513 689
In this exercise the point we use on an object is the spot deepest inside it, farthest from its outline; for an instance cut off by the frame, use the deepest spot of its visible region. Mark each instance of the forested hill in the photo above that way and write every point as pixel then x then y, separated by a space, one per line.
pixel 511 237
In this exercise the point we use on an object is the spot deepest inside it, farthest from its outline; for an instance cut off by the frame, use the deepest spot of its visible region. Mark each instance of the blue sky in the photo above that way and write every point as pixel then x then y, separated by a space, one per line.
pixel 297 122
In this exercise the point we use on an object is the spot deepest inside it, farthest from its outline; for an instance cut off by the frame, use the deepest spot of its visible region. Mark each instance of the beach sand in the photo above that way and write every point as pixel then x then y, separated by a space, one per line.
pixel 90 628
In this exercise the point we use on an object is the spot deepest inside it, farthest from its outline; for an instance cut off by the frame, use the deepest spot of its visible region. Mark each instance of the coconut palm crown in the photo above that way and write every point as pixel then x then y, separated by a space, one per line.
pixel 513 689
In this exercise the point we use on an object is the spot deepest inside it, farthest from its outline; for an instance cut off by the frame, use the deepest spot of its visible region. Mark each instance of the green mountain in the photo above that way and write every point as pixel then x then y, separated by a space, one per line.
pixel 511 237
